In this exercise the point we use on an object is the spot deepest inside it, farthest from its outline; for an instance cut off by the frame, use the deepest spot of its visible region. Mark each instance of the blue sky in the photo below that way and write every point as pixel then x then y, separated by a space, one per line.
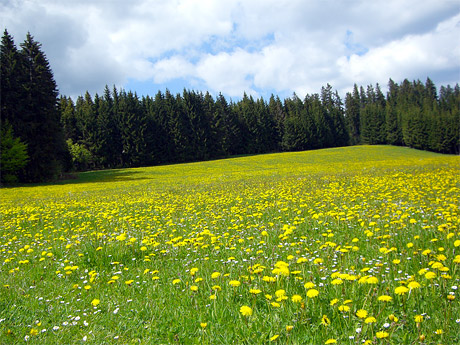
pixel 258 47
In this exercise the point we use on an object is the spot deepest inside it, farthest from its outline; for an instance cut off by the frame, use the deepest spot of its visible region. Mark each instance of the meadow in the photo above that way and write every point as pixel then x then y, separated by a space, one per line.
pixel 356 245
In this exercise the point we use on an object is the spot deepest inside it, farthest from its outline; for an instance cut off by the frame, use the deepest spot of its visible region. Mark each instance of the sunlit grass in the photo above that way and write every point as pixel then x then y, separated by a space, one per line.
pixel 349 244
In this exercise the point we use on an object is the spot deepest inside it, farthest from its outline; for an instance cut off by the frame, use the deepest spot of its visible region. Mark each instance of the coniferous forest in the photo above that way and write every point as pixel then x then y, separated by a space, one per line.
pixel 44 134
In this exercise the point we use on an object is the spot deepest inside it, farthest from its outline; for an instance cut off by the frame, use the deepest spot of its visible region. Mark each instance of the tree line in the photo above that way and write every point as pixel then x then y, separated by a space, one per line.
pixel 44 134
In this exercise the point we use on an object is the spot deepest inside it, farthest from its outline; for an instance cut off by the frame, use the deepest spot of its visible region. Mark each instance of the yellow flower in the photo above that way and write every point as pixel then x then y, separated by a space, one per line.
pixel 418 318
pixel 203 324
pixel 212 297
pixel 176 281
pixel 275 305
pixel 385 298
pixel 87 287
pixel 337 281
pixel 331 341
pixel 280 293
pixel 274 337
pixel 296 298
pixel 234 283
pixel 95 302
pixel 370 319
pixel 312 293
pixel 361 313
pixel 289 328
pixel 401 290
pixel 413 285
pixel 255 291
pixel 344 308
pixel 245 310
pixel 217 288
pixel 325 321
pixel 309 285
pixel 215 275
pixel 439 331
pixel 194 288
pixel 193 271
pixel 393 318
pixel 129 282
pixel 382 334
pixel 34 331
pixel 334 301
pixel 430 275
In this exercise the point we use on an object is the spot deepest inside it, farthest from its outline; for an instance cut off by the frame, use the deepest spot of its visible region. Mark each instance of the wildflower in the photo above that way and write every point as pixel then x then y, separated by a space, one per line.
pixel 203 325
pixel 194 288
pixel 418 318
pixel 245 310
pixel 385 298
pixel 370 319
pixel 215 275
pixel 176 281
pixel 413 285
pixel 312 293
pixel 393 318
pixel 439 331
pixel 193 271
pixel 95 302
pixel 334 301
pixel 280 293
pixel 296 298
pixel 361 313
pixel 129 282
pixel 289 328
pixel 325 321
pixel 34 331
pixel 382 334
pixel 401 290
pixel 255 291
pixel 234 283
pixel 212 297
pixel 450 297
pixel 274 337
pixel 430 275
pixel 331 341
pixel 309 285
pixel 344 308
pixel 275 304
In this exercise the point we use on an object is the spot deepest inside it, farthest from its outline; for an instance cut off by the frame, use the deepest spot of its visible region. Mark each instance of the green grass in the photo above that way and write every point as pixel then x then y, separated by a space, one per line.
pixel 355 222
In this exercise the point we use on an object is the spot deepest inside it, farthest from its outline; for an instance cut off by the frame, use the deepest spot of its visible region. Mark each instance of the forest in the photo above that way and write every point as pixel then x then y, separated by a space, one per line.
pixel 45 134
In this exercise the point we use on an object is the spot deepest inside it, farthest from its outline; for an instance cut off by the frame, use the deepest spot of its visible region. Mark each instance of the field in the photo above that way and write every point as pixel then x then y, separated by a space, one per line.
pixel 348 245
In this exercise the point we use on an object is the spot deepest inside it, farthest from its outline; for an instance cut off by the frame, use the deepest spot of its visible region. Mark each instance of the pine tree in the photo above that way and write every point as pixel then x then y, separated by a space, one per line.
pixel 41 128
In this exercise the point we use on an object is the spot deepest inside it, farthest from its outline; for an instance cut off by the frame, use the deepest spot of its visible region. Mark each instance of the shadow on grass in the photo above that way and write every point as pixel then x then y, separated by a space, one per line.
pixel 114 175
pixel 97 176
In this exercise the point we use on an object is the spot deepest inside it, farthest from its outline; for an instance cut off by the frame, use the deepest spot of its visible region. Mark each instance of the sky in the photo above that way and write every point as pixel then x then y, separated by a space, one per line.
pixel 255 46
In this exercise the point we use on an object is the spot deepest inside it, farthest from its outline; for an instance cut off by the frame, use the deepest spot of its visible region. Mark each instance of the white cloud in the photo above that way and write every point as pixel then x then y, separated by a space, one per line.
pixel 235 46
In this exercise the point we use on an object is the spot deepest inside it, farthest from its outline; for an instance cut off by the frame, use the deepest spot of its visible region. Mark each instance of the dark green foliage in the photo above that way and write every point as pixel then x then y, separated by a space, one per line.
pixel 29 103
pixel 13 154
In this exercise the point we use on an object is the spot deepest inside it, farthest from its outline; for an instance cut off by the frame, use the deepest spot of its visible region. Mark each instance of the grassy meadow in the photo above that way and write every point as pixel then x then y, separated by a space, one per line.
pixel 356 245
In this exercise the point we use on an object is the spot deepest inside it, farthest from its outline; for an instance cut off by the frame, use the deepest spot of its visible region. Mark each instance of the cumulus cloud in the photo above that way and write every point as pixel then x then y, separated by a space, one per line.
pixel 241 46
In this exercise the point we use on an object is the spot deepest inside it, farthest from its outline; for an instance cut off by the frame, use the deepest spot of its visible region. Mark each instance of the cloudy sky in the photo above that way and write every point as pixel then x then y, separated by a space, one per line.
pixel 254 46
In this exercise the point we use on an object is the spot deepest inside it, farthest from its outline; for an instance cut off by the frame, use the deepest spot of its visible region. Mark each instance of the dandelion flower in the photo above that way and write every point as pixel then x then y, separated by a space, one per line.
pixel 418 318
pixel 296 298
pixel 401 290
pixel 289 328
pixel 382 334
pixel 95 302
pixel 331 341
pixel 430 275
pixel 312 293
pixel 274 337
pixel 234 283
pixel 325 321
pixel 215 275
pixel 370 319
pixel 194 288
pixel 245 310
pixel 385 298
pixel 361 313
pixel 203 324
